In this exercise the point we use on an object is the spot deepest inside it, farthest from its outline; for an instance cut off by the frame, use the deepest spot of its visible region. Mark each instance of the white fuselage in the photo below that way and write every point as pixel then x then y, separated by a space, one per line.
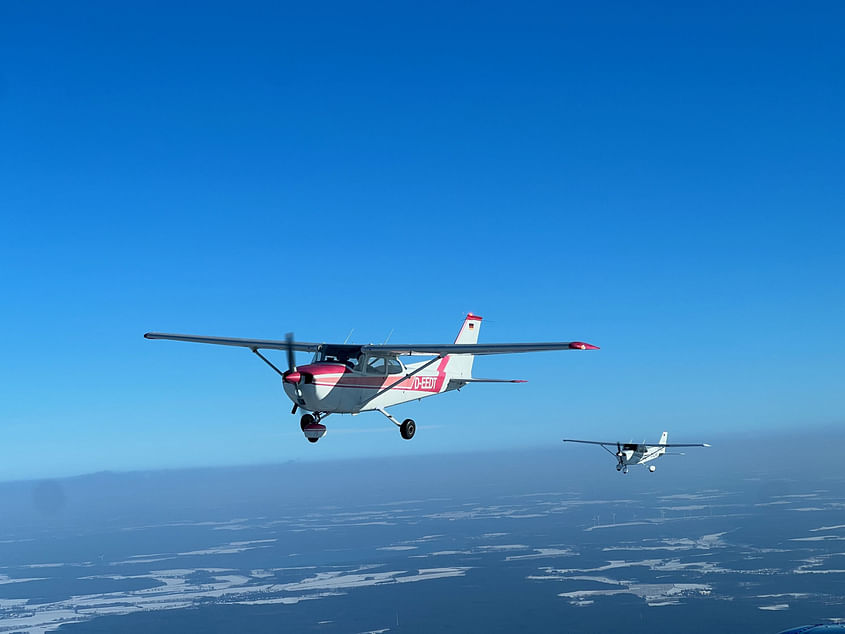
pixel 632 455
pixel 337 388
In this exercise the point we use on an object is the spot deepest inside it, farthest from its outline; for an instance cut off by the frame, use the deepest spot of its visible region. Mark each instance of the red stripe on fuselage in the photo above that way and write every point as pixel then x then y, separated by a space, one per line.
pixel 341 376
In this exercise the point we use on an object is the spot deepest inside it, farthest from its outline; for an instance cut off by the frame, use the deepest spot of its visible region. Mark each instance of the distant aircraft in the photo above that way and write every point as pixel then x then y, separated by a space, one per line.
pixel 628 454
pixel 350 378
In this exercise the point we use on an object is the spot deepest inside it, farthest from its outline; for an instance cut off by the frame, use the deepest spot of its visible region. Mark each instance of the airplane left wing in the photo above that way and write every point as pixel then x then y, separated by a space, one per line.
pixel 474 348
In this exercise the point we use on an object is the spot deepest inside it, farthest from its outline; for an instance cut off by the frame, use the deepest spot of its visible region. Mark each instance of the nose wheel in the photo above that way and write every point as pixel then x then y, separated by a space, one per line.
pixel 306 420
pixel 408 428
pixel 311 427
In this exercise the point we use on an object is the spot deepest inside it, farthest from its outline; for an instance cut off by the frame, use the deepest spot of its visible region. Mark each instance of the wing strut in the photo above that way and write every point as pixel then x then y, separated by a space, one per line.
pixel 267 361
pixel 609 451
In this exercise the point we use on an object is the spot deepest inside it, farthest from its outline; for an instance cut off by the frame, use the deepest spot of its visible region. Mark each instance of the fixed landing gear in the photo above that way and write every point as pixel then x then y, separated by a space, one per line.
pixel 311 427
pixel 306 420
pixel 314 430
pixel 408 428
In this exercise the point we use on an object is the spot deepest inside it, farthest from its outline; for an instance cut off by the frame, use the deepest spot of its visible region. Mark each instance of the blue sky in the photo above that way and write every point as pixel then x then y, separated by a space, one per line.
pixel 663 182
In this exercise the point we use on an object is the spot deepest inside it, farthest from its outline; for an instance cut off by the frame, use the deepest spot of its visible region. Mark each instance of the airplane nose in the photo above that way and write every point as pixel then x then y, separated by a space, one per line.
pixel 293 377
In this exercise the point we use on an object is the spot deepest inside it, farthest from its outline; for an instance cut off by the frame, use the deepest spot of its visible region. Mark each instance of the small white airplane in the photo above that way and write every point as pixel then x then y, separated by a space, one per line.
pixel 350 378
pixel 629 454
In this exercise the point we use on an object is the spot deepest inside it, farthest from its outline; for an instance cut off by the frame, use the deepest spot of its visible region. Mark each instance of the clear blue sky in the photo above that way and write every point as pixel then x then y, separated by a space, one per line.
pixel 664 182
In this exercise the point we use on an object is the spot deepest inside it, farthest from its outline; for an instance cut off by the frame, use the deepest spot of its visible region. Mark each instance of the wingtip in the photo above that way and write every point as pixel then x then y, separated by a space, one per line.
pixel 580 345
pixel 707 444
pixel 147 335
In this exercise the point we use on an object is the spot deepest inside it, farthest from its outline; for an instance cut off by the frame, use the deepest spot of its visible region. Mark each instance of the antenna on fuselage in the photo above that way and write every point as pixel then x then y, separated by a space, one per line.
pixel 389 335
pixel 348 336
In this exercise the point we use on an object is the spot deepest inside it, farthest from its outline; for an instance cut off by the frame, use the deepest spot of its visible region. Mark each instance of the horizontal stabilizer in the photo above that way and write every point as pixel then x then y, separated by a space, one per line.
pixel 458 383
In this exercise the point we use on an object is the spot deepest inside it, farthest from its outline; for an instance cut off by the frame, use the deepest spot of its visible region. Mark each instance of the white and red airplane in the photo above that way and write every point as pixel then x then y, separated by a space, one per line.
pixel 350 378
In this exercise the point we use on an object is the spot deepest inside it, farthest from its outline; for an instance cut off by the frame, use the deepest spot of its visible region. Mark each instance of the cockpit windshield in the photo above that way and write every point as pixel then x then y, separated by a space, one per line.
pixel 346 355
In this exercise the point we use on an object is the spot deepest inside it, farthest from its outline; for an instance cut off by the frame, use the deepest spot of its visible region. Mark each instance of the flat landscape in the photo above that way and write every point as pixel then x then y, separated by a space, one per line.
pixel 487 547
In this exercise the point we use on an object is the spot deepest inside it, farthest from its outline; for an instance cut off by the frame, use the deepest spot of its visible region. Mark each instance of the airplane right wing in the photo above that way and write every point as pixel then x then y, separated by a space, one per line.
pixel 252 344
pixel 592 442
pixel 607 446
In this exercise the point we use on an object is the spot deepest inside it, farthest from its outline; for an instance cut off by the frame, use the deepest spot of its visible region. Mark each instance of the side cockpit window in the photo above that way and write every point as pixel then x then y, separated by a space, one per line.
pixel 376 365
pixel 394 367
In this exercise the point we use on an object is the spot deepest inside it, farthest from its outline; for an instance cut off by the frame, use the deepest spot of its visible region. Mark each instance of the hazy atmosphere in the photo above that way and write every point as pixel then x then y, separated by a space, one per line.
pixel 662 182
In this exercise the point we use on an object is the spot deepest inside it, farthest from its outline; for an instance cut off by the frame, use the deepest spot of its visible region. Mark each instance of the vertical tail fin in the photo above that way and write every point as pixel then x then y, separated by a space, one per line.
pixel 469 331
pixel 664 437
pixel 460 365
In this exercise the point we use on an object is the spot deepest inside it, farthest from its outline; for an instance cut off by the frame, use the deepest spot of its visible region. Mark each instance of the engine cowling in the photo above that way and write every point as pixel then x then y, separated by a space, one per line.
pixel 295 376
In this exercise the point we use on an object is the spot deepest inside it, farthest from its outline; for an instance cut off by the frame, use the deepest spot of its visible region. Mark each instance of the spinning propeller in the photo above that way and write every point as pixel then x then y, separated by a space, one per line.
pixel 292 375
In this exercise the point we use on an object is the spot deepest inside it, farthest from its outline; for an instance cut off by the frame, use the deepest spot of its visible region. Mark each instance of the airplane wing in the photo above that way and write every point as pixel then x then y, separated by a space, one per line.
pixel 252 344
pixel 607 446
pixel 386 349
pixel 474 348
pixel 592 442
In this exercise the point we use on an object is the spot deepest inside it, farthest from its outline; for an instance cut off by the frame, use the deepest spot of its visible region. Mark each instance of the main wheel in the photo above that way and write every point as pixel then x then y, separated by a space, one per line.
pixel 408 428
pixel 306 419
